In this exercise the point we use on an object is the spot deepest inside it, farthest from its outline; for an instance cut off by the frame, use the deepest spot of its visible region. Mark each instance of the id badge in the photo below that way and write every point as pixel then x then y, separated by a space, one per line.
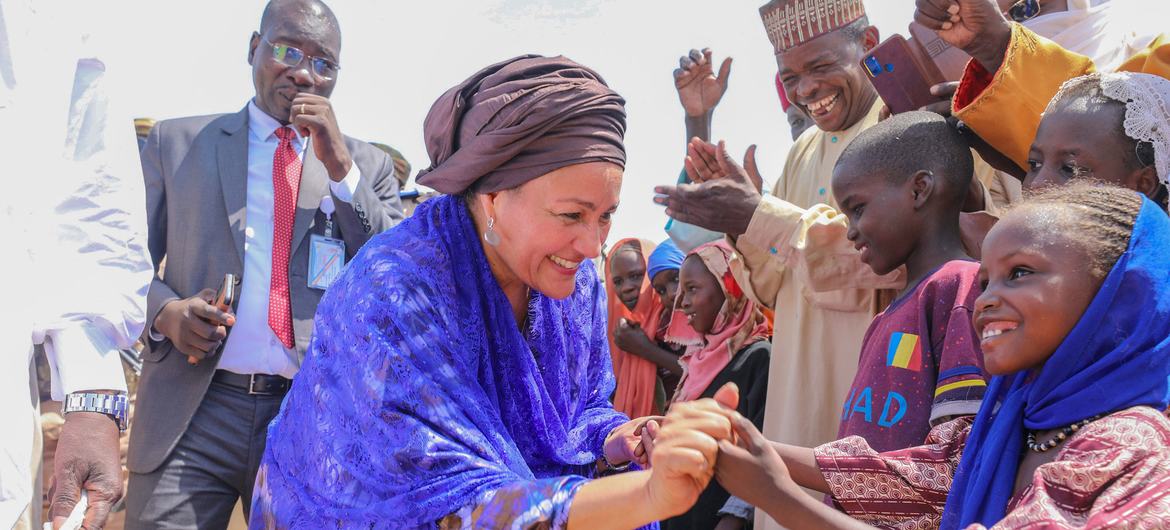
pixel 326 259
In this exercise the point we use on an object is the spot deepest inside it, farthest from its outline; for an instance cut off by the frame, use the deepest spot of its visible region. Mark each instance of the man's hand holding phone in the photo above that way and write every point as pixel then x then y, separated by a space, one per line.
pixel 195 325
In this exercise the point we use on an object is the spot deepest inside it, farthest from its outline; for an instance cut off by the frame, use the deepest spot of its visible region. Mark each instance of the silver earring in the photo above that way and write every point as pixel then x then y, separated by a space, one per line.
pixel 491 236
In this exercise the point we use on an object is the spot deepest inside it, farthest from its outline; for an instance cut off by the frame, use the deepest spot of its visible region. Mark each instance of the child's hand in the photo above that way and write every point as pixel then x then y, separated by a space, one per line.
pixel 751 470
pixel 685 450
pixel 630 337
pixel 633 441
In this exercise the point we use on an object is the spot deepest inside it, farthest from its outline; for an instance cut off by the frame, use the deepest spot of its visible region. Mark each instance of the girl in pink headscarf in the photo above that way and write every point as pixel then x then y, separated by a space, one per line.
pixel 728 340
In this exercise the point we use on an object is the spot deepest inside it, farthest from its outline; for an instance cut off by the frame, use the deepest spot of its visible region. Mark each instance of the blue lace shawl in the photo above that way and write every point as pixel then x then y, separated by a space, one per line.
pixel 420 395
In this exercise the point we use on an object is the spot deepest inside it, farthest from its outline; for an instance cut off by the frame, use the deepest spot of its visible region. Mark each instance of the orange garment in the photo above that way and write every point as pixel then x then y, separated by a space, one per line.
pixel 1004 107
pixel 636 377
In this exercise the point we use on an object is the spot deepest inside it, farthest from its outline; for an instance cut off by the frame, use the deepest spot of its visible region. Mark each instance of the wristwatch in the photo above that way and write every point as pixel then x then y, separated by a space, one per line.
pixel 116 406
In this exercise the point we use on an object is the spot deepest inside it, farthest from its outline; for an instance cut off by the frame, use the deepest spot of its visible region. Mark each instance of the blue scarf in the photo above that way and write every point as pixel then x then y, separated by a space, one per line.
pixel 1116 357
pixel 420 395
pixel 666 256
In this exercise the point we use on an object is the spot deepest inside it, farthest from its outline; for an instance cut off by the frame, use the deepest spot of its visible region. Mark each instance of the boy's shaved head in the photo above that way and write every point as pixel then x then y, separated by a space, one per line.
pixel 910 142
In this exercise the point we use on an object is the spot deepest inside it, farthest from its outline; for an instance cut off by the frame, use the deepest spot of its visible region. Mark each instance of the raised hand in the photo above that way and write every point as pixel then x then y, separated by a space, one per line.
pixel 977 27
pixel 753 170
pixel 724 196
pixel 699 89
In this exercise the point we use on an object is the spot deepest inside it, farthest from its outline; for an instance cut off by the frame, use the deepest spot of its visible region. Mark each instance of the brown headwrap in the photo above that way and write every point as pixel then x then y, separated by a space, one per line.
pixel 519 119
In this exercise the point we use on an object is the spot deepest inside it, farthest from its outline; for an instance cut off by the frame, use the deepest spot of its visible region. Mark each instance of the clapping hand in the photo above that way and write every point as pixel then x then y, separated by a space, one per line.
pixel 702 163
pixel 699 90
pixel 724 195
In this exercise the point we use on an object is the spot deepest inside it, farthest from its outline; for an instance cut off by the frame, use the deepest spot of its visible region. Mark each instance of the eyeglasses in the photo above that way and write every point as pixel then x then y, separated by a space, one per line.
pixel 287 55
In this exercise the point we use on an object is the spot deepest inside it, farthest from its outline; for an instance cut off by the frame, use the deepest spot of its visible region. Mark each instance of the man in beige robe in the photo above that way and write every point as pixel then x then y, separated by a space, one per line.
pixel 796 258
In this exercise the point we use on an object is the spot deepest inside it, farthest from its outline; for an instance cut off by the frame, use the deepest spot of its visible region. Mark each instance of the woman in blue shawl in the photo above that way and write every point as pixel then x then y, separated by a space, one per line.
pixel 458 374
pixel 1072 433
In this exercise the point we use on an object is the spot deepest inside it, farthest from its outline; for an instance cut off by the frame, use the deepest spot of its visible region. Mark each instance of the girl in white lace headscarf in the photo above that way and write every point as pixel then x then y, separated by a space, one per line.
pixel 1111 127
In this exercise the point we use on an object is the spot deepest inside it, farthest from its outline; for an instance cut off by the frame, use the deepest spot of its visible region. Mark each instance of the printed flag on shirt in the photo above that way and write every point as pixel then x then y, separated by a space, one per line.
pixel 905 351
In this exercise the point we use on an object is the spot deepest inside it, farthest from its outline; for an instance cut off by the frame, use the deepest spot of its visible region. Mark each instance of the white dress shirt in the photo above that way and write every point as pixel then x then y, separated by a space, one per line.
pixel 251 346
pixel 75 264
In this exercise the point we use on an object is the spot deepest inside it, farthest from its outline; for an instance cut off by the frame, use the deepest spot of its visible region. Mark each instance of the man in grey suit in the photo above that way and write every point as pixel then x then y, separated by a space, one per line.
pixel 263 194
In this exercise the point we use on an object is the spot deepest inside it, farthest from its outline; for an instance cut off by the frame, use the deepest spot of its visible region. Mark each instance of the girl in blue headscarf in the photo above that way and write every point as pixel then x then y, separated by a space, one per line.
pixel 1075 326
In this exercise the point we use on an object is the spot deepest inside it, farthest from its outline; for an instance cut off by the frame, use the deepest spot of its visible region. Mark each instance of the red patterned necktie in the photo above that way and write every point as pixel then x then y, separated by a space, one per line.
pixel 286 182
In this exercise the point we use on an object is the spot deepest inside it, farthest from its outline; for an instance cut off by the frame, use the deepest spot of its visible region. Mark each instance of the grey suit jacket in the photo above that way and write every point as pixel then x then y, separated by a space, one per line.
pixel 196 172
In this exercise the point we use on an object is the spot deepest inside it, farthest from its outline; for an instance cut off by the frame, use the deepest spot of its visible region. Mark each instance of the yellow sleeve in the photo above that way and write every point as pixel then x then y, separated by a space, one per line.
pixel 1155 59
pixel 1007 112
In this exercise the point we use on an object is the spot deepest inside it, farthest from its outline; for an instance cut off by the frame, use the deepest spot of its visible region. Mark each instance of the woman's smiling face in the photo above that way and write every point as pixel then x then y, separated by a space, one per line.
pixel 550 225
pixel 1037 284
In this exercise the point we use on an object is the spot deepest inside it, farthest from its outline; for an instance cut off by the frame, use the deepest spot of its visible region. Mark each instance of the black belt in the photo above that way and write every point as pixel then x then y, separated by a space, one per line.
pixel 254 384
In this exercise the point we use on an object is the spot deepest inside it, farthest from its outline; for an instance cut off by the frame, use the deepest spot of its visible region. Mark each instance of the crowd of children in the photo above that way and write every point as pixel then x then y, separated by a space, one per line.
pixel 1026 388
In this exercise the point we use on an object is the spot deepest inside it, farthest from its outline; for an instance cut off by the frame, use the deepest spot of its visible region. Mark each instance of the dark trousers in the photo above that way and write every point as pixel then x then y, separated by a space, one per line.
pixel 213 465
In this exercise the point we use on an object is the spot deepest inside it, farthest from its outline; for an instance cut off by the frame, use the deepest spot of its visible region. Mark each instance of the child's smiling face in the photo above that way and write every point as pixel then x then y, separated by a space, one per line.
pixel 882 215
pixel 701 297
pixel 1037 284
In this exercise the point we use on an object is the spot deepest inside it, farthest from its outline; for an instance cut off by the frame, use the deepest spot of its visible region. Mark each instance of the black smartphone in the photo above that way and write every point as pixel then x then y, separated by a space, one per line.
pixel 225 298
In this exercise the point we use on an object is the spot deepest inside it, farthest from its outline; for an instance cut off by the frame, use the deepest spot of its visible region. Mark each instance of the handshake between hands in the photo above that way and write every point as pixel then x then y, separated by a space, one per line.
pixel 704 439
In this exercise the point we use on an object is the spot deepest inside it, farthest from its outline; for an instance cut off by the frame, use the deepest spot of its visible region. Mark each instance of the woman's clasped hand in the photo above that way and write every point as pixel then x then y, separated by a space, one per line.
pixel 693 438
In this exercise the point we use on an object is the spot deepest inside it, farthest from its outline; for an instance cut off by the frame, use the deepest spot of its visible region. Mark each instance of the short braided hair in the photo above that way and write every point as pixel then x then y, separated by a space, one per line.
pixel 1100 216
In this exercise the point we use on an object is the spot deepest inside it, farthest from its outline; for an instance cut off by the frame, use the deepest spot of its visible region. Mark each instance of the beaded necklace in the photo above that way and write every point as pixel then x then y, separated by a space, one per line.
pixel 1043 447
